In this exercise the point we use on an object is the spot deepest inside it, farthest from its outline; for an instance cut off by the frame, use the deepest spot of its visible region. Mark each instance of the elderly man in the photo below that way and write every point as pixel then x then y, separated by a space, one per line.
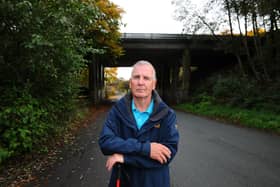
pixel 140 134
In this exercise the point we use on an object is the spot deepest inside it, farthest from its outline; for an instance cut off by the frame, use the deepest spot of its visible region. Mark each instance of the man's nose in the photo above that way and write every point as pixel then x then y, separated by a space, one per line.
pixel 141 80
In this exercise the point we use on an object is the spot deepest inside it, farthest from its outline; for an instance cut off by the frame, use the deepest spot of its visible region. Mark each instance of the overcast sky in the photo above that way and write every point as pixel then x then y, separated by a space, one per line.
pixel 148 16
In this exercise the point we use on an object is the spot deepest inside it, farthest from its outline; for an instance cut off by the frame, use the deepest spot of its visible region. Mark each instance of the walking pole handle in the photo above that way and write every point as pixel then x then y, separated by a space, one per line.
pixel 118 182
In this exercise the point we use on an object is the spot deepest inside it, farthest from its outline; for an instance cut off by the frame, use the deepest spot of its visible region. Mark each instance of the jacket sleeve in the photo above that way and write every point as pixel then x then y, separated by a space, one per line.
pixel 111 143
pixel 169 138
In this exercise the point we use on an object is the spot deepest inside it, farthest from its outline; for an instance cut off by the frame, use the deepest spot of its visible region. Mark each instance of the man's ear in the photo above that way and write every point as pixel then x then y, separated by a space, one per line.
pixel 155 84
pixel 129 83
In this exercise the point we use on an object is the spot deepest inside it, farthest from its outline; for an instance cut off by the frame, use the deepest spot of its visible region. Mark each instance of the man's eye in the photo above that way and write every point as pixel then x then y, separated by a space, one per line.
pixel 136 77
pixel 147 78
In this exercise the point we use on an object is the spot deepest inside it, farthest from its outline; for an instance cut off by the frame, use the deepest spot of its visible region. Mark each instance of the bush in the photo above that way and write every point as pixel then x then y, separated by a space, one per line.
pixel 23 126
pixel 234 91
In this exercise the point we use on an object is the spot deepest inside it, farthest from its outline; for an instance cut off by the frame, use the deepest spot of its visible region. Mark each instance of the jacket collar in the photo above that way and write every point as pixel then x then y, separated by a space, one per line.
pixel 160 108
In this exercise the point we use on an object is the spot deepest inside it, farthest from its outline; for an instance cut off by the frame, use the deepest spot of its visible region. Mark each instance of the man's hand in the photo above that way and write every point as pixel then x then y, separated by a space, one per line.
pixel 160 152
pixel 113 159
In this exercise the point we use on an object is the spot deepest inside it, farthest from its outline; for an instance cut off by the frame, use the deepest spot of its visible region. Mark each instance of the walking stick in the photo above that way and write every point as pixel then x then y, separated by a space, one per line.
pixel 118 182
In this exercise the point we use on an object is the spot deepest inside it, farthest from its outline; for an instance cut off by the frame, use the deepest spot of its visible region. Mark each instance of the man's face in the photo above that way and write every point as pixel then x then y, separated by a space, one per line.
pixel 142 81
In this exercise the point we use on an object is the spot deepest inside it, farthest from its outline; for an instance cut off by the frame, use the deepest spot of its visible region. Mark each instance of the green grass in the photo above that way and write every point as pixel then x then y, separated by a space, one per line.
pixel 249 118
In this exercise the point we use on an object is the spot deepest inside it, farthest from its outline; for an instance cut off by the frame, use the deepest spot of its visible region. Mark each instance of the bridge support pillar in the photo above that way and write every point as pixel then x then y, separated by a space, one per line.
pixel 169 81
pixel 164 84
pixel 176 79
pixel 175 95
pixel 96 80
pixel 186 65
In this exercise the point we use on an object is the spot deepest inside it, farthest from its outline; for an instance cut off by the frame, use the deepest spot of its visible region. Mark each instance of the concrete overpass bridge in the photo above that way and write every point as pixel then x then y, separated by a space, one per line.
pixel 179 61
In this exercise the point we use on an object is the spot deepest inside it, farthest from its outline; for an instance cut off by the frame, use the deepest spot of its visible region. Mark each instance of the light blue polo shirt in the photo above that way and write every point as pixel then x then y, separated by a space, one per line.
pixel 141 117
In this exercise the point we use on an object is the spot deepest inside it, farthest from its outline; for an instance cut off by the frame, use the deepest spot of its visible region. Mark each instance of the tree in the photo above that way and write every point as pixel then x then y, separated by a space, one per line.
pixel 104 32
pixel 207 19
pixel 42 52
pixel 242 16
pixel 110 75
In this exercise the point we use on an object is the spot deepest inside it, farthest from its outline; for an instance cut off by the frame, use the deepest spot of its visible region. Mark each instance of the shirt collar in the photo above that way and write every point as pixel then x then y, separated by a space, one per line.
pixel 149 109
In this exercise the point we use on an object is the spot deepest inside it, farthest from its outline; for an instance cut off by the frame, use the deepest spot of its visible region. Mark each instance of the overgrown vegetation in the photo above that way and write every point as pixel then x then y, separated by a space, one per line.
pixel 42 54
pixel 237 100
pixel 248 93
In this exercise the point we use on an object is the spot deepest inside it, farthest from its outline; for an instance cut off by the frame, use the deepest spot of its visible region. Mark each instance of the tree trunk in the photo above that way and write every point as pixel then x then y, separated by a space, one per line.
pixel 257 43
pixel 245 43
pixel 235 51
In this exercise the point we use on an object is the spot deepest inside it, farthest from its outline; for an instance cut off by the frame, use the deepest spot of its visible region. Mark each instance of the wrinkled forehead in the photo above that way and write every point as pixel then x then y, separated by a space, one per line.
pixel 143 69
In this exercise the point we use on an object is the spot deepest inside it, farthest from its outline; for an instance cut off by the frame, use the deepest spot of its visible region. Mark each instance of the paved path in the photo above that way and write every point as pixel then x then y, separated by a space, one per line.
pixel 211 154
pixel 214 154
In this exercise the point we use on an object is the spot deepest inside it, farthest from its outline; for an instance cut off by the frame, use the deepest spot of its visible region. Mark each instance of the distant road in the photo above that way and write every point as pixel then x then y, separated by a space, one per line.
pixel 211 154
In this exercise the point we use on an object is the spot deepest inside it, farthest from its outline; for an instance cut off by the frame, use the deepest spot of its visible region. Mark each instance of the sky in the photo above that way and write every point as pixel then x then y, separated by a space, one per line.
pixel 148 16
pixel 124 72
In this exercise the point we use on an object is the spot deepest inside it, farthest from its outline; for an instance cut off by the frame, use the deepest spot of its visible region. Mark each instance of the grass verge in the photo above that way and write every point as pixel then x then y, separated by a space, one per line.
pixel 249 118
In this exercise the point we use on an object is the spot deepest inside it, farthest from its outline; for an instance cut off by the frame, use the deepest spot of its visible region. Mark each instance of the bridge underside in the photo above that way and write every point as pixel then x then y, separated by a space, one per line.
pixel 172 59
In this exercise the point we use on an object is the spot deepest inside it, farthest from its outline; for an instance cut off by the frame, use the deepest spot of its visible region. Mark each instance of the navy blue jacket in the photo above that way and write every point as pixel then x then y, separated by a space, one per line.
pixel 121 135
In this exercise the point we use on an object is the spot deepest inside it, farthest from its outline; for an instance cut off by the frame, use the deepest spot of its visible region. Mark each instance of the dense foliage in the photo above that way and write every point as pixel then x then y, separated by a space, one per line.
pixel 227 88
pixel 42 54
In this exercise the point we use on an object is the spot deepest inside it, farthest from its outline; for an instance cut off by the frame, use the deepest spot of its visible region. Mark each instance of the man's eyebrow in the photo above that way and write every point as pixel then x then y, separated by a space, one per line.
pixel 148 77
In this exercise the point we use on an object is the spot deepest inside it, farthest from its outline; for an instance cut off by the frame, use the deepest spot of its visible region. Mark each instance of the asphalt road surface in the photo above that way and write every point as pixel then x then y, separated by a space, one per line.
pixel 211 154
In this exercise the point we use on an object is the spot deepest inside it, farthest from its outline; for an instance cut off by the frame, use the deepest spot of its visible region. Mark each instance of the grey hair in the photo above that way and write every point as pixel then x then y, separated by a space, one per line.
pixel 145 62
